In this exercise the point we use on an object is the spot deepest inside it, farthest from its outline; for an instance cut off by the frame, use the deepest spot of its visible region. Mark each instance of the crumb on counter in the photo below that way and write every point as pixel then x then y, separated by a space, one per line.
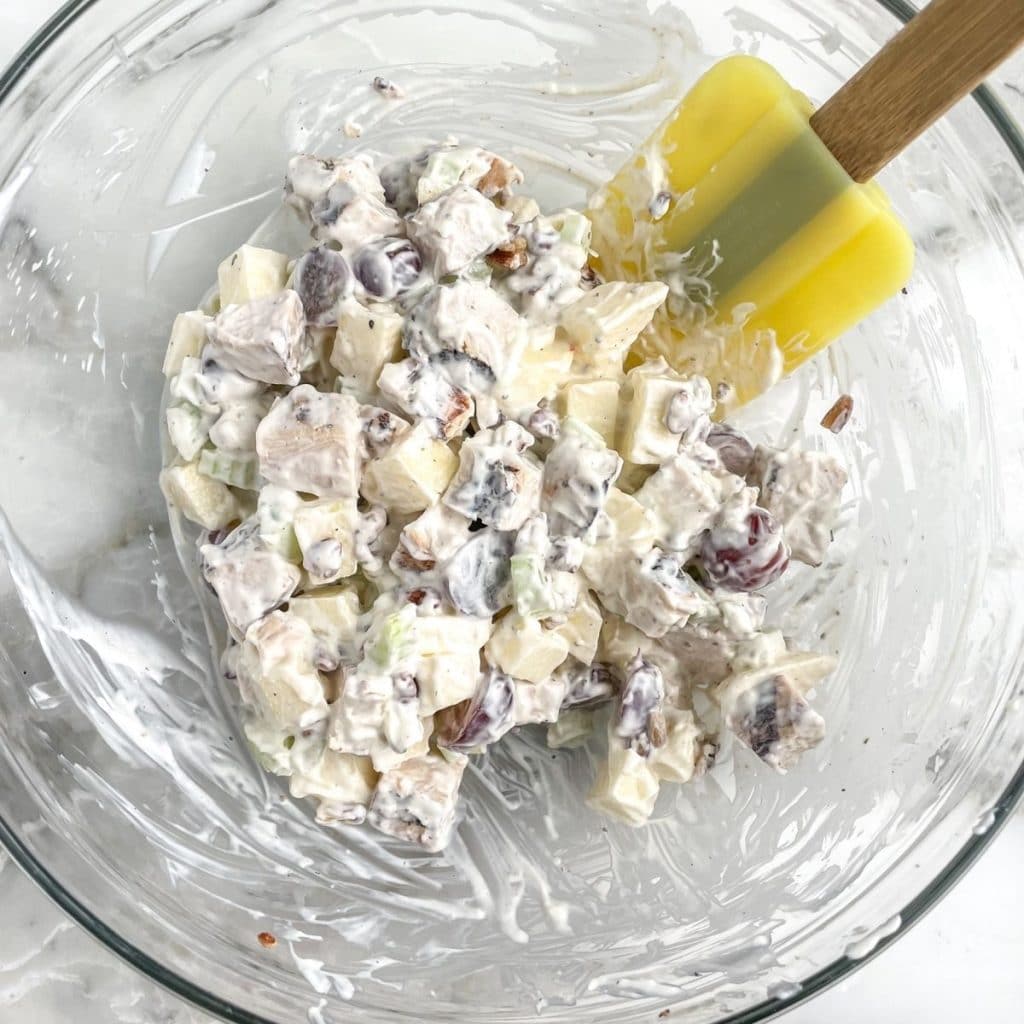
pixel 267 940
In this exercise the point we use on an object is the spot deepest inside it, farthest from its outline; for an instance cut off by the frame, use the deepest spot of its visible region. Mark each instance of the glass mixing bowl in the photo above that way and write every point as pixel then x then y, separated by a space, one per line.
pixel 143 141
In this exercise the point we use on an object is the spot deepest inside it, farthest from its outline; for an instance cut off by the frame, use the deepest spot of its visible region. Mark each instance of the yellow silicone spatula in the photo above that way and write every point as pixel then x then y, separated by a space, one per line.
pixel 761 213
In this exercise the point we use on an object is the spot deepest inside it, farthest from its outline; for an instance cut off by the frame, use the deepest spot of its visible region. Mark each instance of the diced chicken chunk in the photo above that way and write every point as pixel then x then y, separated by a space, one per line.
pixel 417 801
pixel 310 178
pixel 212 387
pixel 498 480
pixel 551 279
pixel 684 496
pixel 539 703
pixel 472 335
pixel 654 593
pixel 767 710
pixel 421 390
pixel 310 442
pixel 802 491
pixel 353 220
pixel 378 716
pixel 264 339
pixel 249 579
pixel 430 540
pixel 456 228
pixel 578 475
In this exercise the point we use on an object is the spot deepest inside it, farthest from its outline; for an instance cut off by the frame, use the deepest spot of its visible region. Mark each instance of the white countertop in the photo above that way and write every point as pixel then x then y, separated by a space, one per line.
pixel 963 963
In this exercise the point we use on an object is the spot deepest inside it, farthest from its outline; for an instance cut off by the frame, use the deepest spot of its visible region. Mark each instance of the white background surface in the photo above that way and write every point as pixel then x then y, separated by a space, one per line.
pixel 965 962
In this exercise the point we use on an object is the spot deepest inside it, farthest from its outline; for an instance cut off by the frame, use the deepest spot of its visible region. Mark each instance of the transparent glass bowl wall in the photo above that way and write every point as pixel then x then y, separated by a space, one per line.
pixel 145 142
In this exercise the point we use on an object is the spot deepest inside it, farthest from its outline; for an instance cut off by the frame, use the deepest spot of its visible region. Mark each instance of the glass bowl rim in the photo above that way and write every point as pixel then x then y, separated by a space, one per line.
pixel 822 979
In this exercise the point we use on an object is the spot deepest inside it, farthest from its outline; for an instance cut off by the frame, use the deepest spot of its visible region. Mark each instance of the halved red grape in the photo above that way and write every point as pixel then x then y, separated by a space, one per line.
pixel 484 719
pixel 321 278
pixel 735 451
pixel 744 561
pixel 388 267
pixel 640 722
pixel 590 685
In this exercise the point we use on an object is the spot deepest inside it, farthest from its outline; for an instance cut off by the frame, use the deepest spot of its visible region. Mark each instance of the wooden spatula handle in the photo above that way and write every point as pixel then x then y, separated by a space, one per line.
pixel 939 57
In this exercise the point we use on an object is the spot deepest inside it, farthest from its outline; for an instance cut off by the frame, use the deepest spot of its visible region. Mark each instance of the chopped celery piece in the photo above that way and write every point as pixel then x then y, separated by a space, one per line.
pixel 188 428
pixel 394 639
pixel 574 228
pixel 275 512
pixel 447 167
pixel 479 271
pixel 531 586
pixel 234 470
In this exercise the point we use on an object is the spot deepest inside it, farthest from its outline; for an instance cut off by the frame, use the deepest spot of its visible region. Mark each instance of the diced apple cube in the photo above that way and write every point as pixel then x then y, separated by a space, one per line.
pixel 582 629
pixel 646 438
pixel 625 787
pixel 605 322
pixel 367 340
pixel 209 503
pixel 188 336
pixel 451 634
pixel 333 615
pixel 342 783
pixel 572 728
pixel 524 649
pixel 595 403
pixel 677 759
pixel 538 703
pixel 251 273
pixel 540 372
pixel 412 474
pixel 446 679
pixel 326 533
